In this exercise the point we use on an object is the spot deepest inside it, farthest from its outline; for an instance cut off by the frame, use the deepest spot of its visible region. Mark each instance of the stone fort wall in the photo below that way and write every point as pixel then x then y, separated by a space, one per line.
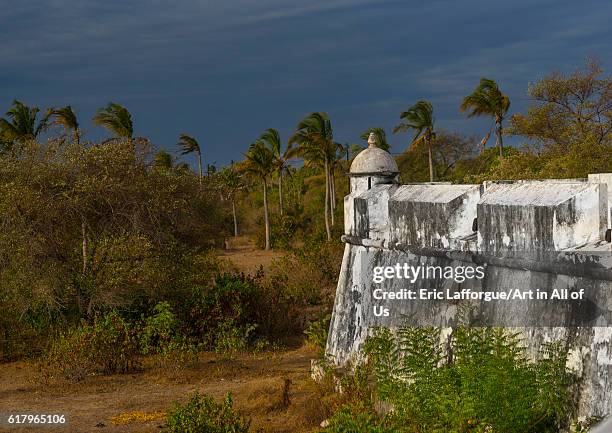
pixel 547 235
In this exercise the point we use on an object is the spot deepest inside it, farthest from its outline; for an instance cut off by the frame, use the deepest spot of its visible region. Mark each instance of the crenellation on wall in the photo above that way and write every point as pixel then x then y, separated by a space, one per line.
pixel 430 215
pixel 540 218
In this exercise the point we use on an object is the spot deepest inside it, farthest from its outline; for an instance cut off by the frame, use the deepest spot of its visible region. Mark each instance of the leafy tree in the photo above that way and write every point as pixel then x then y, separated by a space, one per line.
pixel 281 157
pixel 568 109
pixel 116 119
pixel 66 117
pixel 488 100
pixel 189 145
pixel 21 123
pixel 381 137
pixel 85 228
pixel 260 162
pixel 315 139
pixel 420 118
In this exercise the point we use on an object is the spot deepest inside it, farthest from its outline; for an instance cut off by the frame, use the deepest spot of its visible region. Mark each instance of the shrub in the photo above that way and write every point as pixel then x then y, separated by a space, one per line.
pixel 233 299
pixel 483 383
pixel 358 418
pixel 202 415
pixel 232 338
pixel 158 333
pixel 283 229
pixel 316 333
pixel 108 346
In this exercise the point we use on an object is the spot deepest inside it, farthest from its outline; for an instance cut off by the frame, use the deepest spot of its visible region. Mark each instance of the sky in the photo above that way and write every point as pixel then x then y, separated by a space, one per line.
pixel 224 71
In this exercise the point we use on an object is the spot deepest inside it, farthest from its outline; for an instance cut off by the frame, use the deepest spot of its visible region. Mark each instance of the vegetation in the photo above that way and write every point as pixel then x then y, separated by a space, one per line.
pixel 420 118
pixel 108 256
pixel 116 119
pixel 202 415
pixel 381 137
pixel 21 124
pixel 188 144
pixel 479 379
pixel 488 100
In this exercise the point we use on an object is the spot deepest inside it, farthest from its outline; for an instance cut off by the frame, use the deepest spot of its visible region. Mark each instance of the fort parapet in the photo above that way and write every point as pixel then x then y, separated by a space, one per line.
pixel 545 235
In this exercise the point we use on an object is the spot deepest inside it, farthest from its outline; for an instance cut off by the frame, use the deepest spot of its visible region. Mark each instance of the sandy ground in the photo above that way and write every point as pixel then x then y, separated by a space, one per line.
pixel 246 258
pixel 257 383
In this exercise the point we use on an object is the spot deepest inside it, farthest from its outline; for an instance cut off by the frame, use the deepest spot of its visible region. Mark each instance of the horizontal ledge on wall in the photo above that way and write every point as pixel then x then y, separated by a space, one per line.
pixel 559 262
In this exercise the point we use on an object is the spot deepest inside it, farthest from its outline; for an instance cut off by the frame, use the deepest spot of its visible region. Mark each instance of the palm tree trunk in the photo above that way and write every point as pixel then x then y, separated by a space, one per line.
pixel 429 152
pixel 333 189
pixel 280 190
pixel 266 218
pixel 200 167
pixel 235 218
pixel 498 136
pixel 327 229
pixel 85 246
pixel 331 195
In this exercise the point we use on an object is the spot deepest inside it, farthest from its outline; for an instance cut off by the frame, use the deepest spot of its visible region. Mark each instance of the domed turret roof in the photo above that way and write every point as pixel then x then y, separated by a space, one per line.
pixel 373 160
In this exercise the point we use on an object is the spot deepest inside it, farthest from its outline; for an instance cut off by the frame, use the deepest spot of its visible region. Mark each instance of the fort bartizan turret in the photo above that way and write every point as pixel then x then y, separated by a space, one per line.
pixel 548 235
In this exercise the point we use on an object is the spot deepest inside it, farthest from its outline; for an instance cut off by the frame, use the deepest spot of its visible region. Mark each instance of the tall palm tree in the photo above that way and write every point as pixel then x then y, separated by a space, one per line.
pixel 272 138
pixel 420 118
pixel 21 123
pixel 260 162
pixel 117 119
pixel 488 100
pixel 315 139
pixel 381 137
pixel 66 117
pixel 190 145
pixel 232 183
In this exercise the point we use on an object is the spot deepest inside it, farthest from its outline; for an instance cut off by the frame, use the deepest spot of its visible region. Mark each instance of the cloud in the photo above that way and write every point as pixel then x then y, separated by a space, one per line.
pixel 227 70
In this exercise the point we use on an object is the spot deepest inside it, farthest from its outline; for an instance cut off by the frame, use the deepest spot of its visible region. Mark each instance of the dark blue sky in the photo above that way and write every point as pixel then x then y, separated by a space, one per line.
pixel 224 71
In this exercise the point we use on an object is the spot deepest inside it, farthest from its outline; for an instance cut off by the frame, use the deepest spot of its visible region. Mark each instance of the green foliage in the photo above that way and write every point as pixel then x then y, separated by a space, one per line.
pixel 358 418
pixel 159 331
pixel 316 331
pixel 116 118
pixel 109 345
pixel 381 137
pixel 202 415
pixel 478 380
pixel 22 124
pixel 232 338
pixel 283 229
pixel 88 228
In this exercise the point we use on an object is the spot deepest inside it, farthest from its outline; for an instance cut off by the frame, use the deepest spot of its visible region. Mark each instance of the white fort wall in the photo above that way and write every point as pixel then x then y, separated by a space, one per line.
pixel 548 235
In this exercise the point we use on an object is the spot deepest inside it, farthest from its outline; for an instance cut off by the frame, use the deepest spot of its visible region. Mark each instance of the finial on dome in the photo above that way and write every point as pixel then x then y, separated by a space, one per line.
pixel 372 140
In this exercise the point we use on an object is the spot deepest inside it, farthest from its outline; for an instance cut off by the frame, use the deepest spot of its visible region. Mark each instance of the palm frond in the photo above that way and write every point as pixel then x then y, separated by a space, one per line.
pixel 116 118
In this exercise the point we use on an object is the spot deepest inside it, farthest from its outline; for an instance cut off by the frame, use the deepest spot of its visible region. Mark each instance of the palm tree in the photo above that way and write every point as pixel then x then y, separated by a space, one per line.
pixel 314 137
pixel 190 145
pixel 66 117
pixel 381 137
pixel 272 138
pixel 21 123
pixel 420 118
pixel 488 100
pixel 232 182
pixel 260 162
pixel 117 119
pixel 163 161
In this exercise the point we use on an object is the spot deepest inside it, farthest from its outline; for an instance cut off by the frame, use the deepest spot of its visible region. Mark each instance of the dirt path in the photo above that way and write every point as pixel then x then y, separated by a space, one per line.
pixel 246 257
pixel 256 382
